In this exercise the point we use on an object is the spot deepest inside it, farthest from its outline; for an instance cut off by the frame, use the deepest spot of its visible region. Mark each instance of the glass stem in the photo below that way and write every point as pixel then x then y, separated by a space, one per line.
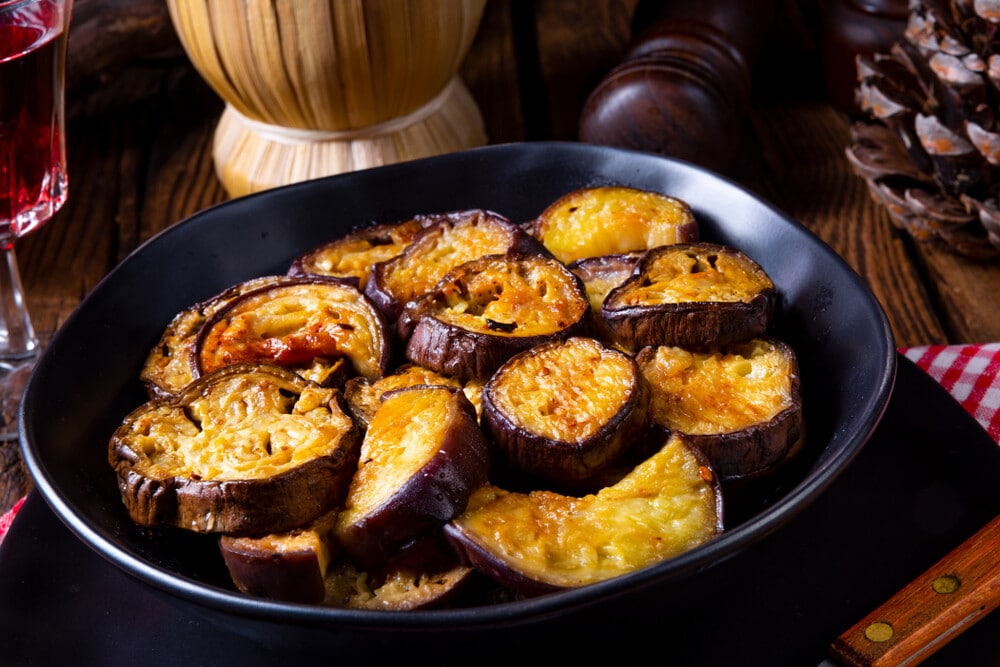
pixel 17 335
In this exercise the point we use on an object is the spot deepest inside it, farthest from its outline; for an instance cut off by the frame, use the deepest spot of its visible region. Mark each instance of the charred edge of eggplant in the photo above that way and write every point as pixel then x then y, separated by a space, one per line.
pixel 692 325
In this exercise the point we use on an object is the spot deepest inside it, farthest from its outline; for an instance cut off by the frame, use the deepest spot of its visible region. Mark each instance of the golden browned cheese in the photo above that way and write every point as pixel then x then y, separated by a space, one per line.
pixel 531 296
pixel 667 505
pixel 396 446
pixel 243 427
pixel 566 392
pixel 292 325
pixel 441 248
pixel 719 391
pixel 695 275
pixel 355 254
pixel 613 220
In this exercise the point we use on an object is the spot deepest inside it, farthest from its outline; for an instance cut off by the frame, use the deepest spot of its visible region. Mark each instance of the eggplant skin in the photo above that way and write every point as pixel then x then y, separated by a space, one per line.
pixel 746 427
pixel 640 314
pixel 487 310
pixel 565 410
pixel 288 566
pixel 173 469
pixel 543 541
pixel 422 457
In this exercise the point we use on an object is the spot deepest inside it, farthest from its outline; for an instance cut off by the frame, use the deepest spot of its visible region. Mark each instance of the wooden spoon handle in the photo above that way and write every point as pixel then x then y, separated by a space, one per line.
pixel 957 591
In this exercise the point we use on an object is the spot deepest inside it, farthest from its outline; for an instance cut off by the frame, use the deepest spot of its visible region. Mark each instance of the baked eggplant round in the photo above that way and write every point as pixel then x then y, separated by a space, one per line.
pixel 691 294
pixel 487 310
pixel 740 403
pixel 565 410
pixel 599 276
pixel 448 240
pixel 612 220
pixel 351 257
pixel 309 324
pixel 422 457
pixel 167 369
pixel 543 541
pixel 244 450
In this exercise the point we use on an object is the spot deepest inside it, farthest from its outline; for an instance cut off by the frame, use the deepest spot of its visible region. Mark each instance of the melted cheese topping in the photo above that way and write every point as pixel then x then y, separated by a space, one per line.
pixel 704 393
pixel 663 508
pixel 244 427
pixel 430 257
pixel 565 392
pixel 354 255
pixel 532 297
pixel 613 220
pixel 688 276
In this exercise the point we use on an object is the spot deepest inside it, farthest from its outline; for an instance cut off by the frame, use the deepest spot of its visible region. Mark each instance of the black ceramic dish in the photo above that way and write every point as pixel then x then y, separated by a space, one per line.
pixel 87 379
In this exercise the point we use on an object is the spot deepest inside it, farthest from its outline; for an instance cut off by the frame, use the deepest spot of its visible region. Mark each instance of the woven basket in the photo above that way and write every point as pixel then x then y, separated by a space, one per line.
pixel 320 87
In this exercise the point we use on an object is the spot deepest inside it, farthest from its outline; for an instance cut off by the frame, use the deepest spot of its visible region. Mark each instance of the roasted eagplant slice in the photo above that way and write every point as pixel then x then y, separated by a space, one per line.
pixel 487 310
pixel 364 397
pixel 351 257
pixel 167 369
pixel 599 276
pixel 565 410
pixel 308 324
pixel 422 457
pixel 612 220
pixel 245 450
pixel 448 240
pixel 543 541
pixel 691 294
pixel 740 404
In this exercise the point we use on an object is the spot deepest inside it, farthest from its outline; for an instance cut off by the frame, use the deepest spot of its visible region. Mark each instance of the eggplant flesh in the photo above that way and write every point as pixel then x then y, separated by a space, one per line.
pixel 487 310
pixel 422 457
pixel 543 541
pixel 245 450
pixel 565 410
pixel 612 220
pixel 741 403
pixel 693 294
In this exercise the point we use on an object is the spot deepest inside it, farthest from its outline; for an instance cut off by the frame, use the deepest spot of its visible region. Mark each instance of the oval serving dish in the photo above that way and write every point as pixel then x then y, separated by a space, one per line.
pixel 88 378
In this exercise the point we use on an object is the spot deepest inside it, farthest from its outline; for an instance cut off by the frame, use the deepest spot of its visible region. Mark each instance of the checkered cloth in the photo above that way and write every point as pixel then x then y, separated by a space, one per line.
pixel 971 373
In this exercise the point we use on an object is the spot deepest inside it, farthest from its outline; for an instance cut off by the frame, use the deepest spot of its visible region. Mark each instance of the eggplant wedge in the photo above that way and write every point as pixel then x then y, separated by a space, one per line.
pixel 740 404
pixel 422 457
pixel 448 240
pixel 612 220
pixel 565 410
pixel 245 450
pixel 290 566
pixel 691 294
pixel 542 541
pixel 425 574
pixel 352 257
pixel 308 324
pixel 487 310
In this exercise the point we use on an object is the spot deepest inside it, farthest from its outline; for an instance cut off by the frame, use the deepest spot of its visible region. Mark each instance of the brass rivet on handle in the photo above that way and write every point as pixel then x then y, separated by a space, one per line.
pixel 879 631
pixel 947 583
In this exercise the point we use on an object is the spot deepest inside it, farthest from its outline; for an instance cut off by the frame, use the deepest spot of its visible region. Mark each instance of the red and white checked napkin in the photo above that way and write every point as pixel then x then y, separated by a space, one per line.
pixel 970 373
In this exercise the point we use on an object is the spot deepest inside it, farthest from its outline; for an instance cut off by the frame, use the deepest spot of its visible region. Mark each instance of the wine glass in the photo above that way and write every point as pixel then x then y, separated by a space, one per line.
pixel 33 184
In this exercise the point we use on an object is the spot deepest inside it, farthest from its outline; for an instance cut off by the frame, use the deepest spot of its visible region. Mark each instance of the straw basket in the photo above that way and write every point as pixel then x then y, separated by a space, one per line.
pixel 320 87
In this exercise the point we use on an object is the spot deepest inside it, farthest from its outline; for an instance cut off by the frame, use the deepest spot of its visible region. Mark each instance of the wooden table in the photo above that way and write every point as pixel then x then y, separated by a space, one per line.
pixel 140 124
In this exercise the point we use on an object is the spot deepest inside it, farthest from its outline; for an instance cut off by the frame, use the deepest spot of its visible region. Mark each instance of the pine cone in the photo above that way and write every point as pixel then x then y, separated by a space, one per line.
pixel 929 148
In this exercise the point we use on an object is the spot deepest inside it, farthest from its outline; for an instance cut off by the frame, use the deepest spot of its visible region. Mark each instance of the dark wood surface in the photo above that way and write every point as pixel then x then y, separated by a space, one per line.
pixel 140 124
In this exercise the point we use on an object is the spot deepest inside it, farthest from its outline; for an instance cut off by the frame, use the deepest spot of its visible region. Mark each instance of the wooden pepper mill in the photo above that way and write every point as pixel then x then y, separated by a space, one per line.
pixel 683 88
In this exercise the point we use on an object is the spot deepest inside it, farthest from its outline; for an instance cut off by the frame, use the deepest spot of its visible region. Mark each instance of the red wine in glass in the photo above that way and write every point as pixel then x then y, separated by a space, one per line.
pixel 33 184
